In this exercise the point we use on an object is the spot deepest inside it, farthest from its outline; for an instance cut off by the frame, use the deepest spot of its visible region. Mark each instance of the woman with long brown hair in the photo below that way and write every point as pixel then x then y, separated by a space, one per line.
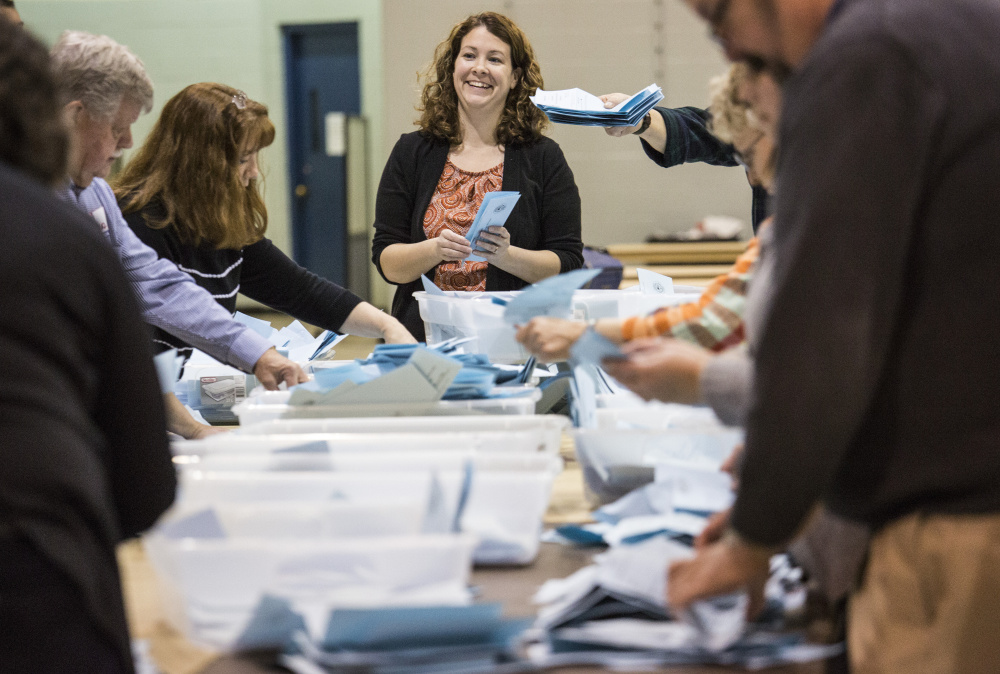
pixel 479 133
pixel 191 194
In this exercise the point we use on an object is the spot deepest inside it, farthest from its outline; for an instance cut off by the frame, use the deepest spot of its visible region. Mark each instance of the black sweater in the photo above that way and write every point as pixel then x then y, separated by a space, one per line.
pixel 547 216
pixel 260 271
pixel 84 460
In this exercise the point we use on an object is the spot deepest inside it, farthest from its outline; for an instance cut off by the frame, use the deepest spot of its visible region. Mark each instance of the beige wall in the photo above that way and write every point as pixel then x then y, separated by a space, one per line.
pixel 602 47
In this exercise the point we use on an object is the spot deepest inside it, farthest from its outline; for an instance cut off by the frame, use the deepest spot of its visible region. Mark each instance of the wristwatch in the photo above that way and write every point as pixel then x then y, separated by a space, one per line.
pixel 646 121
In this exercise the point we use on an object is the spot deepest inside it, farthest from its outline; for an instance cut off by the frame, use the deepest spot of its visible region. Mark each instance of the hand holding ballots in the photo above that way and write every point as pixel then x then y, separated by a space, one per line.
pixel 575 106
pixel 493 212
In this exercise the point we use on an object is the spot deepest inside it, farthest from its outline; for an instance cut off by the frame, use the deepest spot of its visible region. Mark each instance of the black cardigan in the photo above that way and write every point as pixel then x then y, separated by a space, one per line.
pixel 547 216
pixel 260 271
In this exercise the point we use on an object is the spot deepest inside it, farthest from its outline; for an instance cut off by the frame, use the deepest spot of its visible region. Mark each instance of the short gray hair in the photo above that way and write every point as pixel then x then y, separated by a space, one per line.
pixel 99 72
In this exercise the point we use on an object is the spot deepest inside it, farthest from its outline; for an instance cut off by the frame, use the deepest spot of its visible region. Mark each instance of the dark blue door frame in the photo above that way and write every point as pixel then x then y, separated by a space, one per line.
pixel 322 88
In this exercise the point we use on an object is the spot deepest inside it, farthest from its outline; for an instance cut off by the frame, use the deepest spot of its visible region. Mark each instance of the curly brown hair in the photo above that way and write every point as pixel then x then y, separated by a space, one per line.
pixel 32 136
pixel 190 164
pixel 520 121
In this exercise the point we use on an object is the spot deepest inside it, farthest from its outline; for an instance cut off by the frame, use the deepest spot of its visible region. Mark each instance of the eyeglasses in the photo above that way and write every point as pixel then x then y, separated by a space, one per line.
pixel 746 157
pixel 240 100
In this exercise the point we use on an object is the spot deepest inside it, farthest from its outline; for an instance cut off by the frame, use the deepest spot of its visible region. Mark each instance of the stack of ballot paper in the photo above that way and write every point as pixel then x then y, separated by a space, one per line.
pixel 614 613
pixel 575 106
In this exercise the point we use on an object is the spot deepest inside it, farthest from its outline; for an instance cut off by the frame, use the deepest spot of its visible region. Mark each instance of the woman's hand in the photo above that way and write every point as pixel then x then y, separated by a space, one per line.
pixel 493 244
pixel 451 247
pixel 395 333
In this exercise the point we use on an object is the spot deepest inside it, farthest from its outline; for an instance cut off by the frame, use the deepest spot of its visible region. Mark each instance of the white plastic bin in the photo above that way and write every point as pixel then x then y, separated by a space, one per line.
pixel 594 304
pixel 615 462
pixel 209 587
pixel 530 441
pixel 551 426
pixel 272 405
pixel 655 416
pixel 474 315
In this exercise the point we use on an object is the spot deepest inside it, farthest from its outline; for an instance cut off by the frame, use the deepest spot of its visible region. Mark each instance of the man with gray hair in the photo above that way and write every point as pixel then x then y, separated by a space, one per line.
pixel 105 88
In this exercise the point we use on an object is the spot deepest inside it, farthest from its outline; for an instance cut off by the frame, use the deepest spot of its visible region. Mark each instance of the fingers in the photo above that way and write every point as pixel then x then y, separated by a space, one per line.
pixel 294 375
pixel 713 530
pixel 453 247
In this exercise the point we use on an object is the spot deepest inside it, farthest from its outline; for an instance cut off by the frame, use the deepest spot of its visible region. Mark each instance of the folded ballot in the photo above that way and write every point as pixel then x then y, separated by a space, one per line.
pixel 493 212
pixel 575 106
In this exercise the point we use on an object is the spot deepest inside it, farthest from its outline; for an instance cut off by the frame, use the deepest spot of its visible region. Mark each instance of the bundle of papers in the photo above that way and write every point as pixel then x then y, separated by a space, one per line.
pixel 575 106
pixel 614 613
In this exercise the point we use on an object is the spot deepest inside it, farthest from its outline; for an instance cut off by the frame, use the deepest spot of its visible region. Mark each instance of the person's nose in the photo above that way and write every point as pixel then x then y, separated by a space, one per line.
pixel 125 141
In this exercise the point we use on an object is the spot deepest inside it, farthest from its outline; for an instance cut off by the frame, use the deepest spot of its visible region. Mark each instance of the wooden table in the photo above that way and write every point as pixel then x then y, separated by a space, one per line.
pixel 688 252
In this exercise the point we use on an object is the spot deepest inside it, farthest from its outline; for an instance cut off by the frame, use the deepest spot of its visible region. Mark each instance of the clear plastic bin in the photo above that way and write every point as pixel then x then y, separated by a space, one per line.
pixel 594 304
pixel 210 587
pixel 475 315
pixel 272 405
pixel 529 441
pixel 472 315
pixel 615 462
pixel 550 426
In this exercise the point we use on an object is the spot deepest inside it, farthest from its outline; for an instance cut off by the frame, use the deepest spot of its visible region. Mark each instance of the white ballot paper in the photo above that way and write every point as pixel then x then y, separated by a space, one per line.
pixel 493 212
pixel 651 283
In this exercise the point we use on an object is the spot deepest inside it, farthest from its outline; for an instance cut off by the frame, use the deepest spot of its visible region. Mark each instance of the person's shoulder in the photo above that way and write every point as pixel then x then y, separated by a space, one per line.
pixel 32 218
pixel 417 140
pixel 542 148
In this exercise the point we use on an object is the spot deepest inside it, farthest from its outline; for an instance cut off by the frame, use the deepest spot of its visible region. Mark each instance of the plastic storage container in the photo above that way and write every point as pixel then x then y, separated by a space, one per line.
pixel 550 426
pixel 272 405
pixel 211 586
pixel 476 316
pixel 472 315
pixel 615 462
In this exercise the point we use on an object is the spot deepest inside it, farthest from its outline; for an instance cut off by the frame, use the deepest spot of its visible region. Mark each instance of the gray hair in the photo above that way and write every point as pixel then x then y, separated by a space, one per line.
pixel 99 72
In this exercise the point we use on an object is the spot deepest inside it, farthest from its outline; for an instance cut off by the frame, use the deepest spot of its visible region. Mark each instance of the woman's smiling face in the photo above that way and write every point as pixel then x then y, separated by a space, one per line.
pixel 483 72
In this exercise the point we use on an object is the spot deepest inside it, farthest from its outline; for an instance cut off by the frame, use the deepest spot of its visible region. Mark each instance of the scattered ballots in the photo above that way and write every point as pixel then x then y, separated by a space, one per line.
pixel 576 106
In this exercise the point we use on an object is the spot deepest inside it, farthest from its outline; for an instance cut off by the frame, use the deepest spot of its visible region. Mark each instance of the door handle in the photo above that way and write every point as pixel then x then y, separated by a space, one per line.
pixel 301 191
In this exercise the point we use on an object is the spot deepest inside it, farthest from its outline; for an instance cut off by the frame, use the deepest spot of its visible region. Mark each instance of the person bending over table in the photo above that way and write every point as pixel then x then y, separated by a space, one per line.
pixel 191 194
pixel 478 133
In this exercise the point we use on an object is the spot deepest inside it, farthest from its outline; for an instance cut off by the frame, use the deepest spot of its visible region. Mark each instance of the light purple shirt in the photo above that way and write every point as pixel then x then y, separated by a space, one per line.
pixel 169 298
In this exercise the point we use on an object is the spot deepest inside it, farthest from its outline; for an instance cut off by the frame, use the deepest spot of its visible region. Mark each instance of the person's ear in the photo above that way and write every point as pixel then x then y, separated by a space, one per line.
pixel 71 114
pixel 517 78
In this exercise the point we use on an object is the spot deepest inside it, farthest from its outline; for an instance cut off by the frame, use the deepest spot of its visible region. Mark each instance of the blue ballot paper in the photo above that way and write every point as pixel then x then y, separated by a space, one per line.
pixel 549 297
pixel 575 106
pixel 493 212
pixel 429 286
pixel 592 348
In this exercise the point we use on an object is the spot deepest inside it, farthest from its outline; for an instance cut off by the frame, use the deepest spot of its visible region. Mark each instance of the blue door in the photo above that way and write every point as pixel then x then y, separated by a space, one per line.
pixel 322 89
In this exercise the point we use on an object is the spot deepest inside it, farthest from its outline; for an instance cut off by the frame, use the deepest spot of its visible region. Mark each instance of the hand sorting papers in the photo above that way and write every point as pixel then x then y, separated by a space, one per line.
pixel 493 212
pixel 575 106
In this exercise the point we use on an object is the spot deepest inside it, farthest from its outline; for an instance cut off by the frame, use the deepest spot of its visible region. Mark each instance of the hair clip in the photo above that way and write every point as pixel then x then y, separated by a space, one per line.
pixel 240 100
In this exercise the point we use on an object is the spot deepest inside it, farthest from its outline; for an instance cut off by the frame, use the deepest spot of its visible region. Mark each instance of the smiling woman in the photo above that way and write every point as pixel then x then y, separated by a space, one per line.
pixel 479 133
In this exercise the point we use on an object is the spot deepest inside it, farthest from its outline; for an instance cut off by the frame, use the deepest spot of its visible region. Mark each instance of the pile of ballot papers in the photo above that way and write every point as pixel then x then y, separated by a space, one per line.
pixel 575 106
pixel 614 613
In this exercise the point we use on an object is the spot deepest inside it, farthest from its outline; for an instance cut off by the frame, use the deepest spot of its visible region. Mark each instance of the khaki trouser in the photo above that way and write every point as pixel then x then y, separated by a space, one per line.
pixel 929 600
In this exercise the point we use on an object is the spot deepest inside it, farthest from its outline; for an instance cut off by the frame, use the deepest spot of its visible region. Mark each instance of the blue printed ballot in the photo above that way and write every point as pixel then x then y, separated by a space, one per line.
pixel 575 106
pixel 593 347
pixel 493 212
pixel 548 297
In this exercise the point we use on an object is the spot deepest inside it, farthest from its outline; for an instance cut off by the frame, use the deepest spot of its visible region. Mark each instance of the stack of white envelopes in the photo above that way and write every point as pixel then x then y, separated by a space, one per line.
pixel 576 106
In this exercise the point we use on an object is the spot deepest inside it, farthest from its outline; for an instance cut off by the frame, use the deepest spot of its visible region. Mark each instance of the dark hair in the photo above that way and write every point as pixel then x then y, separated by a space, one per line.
pixel 520 120
pixel 32 137
pixel 190 164
pixel 7 3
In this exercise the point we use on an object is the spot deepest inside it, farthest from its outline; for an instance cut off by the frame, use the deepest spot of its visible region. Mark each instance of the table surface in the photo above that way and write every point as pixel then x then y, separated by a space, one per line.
pixel 512 586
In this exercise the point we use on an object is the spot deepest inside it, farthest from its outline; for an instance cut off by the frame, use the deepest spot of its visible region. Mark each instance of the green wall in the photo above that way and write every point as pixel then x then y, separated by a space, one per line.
pixel 237 42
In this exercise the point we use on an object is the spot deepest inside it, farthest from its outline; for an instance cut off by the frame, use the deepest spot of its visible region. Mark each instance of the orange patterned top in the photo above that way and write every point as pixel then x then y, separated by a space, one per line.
pixel 454 205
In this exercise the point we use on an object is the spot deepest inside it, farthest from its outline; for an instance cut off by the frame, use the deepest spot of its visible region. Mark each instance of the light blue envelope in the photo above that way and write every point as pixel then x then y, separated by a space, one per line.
pixel 493 212
pixel 592 348
pixel 549 297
